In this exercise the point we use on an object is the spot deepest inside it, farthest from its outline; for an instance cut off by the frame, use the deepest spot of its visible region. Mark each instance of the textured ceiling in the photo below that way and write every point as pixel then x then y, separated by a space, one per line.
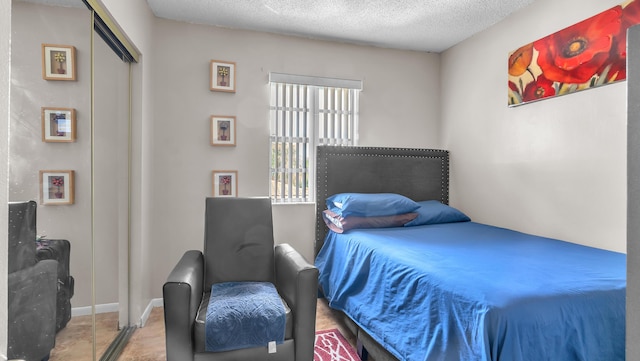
pixel 422 25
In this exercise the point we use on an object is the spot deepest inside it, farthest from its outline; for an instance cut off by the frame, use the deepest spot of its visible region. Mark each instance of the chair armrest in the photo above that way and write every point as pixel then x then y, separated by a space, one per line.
pixel 182 294
pixel 297 282
pixel 32 311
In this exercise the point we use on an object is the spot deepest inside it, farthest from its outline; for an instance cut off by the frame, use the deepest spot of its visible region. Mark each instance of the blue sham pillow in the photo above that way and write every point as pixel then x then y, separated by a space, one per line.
pixel 370 204
pixel 434 212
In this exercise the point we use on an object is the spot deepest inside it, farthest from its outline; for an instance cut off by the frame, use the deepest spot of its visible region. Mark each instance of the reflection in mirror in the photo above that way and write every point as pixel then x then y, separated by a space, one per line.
pixel 29 154
pixel 111 201
pixel 76 177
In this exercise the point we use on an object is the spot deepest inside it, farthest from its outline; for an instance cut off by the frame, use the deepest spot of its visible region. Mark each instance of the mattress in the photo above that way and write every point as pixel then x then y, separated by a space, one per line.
pixel 470 291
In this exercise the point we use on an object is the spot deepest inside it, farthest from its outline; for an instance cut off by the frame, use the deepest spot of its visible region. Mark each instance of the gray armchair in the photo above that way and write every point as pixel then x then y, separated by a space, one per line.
pixel 239 246
pixel 32 288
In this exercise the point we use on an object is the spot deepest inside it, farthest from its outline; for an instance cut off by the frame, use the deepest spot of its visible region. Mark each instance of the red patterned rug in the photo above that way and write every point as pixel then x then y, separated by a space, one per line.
pixel 332 346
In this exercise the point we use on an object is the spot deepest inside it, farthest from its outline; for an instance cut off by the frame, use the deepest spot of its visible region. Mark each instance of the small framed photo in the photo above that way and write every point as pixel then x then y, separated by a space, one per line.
pixel 58 125
pixel 223 76
pixel 56 187
pixel 58 62
pixel 223 130
pixel 225 183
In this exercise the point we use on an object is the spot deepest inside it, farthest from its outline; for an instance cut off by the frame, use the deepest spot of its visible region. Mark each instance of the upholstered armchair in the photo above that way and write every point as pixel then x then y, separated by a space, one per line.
pixel 32 288
pixel 239 248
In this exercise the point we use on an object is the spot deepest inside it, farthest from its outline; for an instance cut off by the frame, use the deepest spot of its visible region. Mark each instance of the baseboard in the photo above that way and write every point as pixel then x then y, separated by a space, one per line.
pixel 156 302
pixel 102 308
pixel 114 307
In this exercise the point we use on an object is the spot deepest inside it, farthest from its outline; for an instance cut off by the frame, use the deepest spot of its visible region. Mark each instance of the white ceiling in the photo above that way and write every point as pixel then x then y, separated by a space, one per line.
pixel 422 25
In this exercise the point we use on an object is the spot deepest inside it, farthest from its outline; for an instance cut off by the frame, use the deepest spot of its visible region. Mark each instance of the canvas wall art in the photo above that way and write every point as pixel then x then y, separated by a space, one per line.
pixel 585 55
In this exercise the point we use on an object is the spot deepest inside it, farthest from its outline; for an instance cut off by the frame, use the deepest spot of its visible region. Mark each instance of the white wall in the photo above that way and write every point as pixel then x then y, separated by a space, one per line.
pixel 5 86
pixel 556 167
pixel 399 107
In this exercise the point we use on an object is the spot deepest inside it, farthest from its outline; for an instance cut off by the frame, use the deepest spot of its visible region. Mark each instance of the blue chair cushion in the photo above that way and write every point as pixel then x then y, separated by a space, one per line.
pixel 242 315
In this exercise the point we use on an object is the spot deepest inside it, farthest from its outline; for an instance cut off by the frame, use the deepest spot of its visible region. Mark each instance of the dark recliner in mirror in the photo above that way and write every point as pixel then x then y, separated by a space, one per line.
pixel 32 289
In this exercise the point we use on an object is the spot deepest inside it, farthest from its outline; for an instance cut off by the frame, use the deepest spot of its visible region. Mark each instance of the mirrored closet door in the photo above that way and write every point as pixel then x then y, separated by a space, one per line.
pixel 111 137
pixel 69 152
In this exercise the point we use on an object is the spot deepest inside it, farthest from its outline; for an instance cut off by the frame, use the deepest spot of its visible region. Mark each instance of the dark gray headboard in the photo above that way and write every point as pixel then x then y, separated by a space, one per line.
pixel 420 174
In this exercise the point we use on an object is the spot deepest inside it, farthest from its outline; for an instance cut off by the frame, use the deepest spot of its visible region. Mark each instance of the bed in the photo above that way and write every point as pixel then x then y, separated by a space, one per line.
pixel 459 290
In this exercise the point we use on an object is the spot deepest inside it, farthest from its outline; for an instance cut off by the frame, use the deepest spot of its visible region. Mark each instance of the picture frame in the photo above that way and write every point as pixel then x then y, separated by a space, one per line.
pixel 223 130
pixel 223 76
pixel 56 187
pixel 58 125
pixel 225 183
pixel 58 62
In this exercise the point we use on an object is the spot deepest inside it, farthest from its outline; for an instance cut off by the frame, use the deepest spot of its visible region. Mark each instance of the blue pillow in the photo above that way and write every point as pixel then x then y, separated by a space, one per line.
pixel 370 204
pixel 434 212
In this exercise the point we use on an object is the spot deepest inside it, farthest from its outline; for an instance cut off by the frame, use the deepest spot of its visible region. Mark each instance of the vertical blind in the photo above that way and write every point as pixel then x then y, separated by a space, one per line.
pixel 303 116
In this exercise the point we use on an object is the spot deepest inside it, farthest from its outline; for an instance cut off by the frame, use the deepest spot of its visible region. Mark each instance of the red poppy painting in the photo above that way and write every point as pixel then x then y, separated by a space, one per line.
pixel 585 55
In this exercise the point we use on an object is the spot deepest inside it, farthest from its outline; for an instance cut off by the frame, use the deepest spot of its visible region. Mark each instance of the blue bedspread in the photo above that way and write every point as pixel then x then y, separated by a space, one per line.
pixel 243 314
pixel 468 291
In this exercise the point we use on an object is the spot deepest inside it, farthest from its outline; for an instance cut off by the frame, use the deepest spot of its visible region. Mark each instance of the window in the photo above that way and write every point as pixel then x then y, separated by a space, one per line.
pixel 306 112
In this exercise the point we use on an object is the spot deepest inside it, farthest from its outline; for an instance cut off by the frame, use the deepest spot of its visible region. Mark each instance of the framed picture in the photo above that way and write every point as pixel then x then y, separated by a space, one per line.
pixel 223 130
pixel 225 183
pixel 223 76
pixel 56 187
pixel 58 62
pixel 58 125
